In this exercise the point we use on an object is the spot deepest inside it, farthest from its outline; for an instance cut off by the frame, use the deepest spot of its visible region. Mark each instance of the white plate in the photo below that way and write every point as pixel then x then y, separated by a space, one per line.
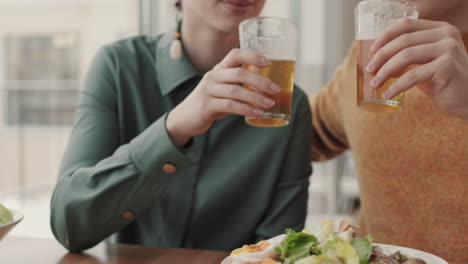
pixel 414 253
pixel 5 228
pixel 227 260
pixel 389 249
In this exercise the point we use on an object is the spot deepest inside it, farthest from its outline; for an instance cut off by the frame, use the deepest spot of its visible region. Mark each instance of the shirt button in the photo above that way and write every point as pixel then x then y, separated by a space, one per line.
pixel 169 168
pixel 128 215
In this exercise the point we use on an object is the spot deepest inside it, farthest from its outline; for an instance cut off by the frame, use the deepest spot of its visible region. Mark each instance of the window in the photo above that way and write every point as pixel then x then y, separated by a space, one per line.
pixel 26 56
pixel 47 67
pixel 46 47
pixel 28 104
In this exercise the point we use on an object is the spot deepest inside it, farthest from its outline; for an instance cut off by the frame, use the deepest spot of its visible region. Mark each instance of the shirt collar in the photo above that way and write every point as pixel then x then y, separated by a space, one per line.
pixel 171 73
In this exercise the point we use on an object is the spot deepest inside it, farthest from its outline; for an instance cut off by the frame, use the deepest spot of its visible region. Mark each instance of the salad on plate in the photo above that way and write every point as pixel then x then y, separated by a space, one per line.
pixel 326 246
pixel 5 215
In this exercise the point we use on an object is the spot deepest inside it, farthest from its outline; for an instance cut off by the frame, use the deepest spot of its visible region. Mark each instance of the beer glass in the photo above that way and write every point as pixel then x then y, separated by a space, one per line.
pixel 373 17
pixel 275 38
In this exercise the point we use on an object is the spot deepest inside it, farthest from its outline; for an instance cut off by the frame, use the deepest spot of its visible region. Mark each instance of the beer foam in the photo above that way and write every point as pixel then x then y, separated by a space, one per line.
pixel 274 38
pixel 274 48
pixel 374 16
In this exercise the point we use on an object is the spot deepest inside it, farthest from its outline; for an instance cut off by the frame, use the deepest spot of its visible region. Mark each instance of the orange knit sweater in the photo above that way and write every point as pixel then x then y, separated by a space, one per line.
pixel 412 166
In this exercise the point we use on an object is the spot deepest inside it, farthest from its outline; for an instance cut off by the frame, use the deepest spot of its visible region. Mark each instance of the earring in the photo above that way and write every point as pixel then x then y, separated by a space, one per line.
pixel 175 50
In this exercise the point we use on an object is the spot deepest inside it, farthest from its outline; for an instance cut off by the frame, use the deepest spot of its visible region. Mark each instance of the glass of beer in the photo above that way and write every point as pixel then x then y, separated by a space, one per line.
pixel 275 38
pixel 373 17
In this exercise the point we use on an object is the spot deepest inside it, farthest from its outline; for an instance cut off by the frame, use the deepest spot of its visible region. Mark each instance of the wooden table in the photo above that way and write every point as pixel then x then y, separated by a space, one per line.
pixel 16 250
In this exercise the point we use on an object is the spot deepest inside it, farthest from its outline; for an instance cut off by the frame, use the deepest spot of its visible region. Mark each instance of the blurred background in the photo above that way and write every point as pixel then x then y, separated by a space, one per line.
pixel 46 47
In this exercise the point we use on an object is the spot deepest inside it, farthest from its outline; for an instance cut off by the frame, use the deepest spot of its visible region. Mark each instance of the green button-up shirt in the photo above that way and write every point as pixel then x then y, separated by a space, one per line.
pixel 233 185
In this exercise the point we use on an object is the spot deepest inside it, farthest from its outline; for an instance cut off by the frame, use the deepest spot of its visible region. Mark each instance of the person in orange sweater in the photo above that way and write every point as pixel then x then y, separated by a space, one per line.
pixel 412 166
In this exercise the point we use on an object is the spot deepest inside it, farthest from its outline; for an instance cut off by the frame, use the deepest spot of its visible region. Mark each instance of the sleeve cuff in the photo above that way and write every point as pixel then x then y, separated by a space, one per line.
pixel 153 148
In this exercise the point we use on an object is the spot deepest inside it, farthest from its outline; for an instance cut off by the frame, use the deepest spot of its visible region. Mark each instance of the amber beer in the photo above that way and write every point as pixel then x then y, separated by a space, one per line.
pixel 281 72
pixel 369 98
pixel 275 38
pixel 372 18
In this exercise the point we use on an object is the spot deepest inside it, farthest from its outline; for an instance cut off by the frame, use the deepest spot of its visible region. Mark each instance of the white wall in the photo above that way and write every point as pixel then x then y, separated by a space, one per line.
pixel 327 30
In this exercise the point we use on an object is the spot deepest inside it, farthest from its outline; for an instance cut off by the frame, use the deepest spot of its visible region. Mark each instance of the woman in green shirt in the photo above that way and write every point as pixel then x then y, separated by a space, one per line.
pixel 160 154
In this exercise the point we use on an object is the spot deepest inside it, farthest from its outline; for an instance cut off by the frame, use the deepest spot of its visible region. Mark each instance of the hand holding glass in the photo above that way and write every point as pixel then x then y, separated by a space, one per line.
pixel 275 38
pixel 372 18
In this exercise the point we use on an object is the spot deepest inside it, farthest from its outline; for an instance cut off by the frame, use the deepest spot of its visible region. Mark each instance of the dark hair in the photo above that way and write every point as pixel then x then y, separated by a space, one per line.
pixel 178 5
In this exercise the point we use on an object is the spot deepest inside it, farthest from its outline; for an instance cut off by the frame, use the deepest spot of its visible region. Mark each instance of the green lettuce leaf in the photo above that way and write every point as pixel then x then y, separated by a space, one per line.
pixel 363 247
pixel 5 215
pixel 327 229
pixel 318 260
pixel 342 249
pixel 297 245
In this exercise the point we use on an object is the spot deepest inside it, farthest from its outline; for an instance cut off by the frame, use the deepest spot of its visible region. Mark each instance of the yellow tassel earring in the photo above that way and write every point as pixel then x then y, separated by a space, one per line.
pixel 175 50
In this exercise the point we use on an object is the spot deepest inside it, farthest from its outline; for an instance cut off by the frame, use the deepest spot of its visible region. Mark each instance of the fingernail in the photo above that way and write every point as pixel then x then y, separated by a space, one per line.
pixel 257 111
pixel 265 61
pixel 275 88
pixel 373 48
pixel 370 67
pixel 268 102
pixel 374 82
pixel 385 96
